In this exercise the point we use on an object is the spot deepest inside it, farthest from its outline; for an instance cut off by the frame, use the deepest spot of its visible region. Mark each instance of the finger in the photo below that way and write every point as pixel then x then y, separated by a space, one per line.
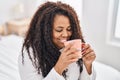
pixel 87 51
pixel 71 51
pixel 74 56
pixel 89 55
pixel 92 57
pixel 72 60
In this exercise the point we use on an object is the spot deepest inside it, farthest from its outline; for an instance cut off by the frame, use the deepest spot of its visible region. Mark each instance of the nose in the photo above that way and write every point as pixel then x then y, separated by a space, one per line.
pixel 65 34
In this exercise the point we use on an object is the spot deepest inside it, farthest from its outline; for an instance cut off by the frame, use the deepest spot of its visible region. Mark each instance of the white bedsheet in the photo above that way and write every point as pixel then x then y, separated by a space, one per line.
pixel 105 72
pixel 10 47
pixel 9 51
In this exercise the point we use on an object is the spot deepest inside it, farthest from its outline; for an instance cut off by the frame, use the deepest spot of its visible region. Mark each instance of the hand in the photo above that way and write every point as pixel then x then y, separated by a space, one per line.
pixel 88 56
pixel 67 57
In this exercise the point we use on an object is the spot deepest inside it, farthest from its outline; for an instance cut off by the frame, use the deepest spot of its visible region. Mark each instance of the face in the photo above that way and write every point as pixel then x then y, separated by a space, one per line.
pixel 61 30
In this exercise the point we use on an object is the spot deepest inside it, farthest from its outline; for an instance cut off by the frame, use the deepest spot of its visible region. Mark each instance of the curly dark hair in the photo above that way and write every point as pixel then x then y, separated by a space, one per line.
pixel 45 54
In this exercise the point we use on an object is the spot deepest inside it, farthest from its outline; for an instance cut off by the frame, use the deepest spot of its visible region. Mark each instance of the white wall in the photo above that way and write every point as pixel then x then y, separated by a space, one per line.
pixel 14 9
pixel 6 9
pixel 94 25
pixel 31 6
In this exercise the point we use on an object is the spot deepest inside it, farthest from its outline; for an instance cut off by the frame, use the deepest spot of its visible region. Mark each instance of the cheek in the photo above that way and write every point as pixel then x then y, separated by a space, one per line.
pixel 55 36
pixel 56 40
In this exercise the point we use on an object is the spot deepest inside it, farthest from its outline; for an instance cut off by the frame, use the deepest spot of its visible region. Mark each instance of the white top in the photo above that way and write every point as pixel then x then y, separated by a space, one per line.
pixel 28 72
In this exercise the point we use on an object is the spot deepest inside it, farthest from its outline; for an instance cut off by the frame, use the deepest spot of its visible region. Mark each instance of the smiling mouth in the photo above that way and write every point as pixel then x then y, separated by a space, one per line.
pixel 63 40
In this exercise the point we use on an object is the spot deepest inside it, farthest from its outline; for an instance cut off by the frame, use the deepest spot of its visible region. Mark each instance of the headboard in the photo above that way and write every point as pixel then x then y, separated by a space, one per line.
pixel 17 26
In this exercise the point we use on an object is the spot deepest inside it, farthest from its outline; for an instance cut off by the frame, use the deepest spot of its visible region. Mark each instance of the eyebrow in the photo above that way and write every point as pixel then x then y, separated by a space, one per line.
pixel 62 27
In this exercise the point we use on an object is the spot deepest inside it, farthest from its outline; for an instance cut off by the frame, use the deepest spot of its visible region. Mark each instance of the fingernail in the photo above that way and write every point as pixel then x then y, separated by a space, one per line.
pixel 78 49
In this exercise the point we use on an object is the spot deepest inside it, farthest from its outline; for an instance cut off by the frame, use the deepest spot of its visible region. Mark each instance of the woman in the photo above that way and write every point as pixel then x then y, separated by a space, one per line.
pixel 42 58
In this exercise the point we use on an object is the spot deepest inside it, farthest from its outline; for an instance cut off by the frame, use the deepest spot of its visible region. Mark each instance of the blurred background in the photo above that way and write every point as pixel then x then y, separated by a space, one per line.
pixel 99 19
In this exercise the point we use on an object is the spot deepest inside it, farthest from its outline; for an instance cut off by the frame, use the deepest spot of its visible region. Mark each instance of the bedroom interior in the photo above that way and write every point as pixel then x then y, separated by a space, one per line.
pixel 95 21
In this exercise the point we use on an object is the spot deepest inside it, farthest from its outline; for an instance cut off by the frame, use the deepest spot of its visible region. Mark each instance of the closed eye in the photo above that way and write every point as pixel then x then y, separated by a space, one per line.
pixel 69 29
pixel 58 30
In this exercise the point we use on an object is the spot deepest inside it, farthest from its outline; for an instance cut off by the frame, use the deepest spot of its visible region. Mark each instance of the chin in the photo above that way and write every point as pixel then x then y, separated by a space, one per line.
pixel 60 46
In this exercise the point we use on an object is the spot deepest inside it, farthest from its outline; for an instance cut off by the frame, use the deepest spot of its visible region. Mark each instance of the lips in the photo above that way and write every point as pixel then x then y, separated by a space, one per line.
pixel 63 40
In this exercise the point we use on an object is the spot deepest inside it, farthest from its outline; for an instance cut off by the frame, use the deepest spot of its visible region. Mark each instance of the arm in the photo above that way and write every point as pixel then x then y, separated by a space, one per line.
pixel 88 72
pixel 28 72
pixel 86 76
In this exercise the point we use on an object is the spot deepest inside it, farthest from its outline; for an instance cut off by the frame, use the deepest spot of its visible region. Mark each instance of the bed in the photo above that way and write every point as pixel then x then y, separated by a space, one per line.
pixel 10 47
